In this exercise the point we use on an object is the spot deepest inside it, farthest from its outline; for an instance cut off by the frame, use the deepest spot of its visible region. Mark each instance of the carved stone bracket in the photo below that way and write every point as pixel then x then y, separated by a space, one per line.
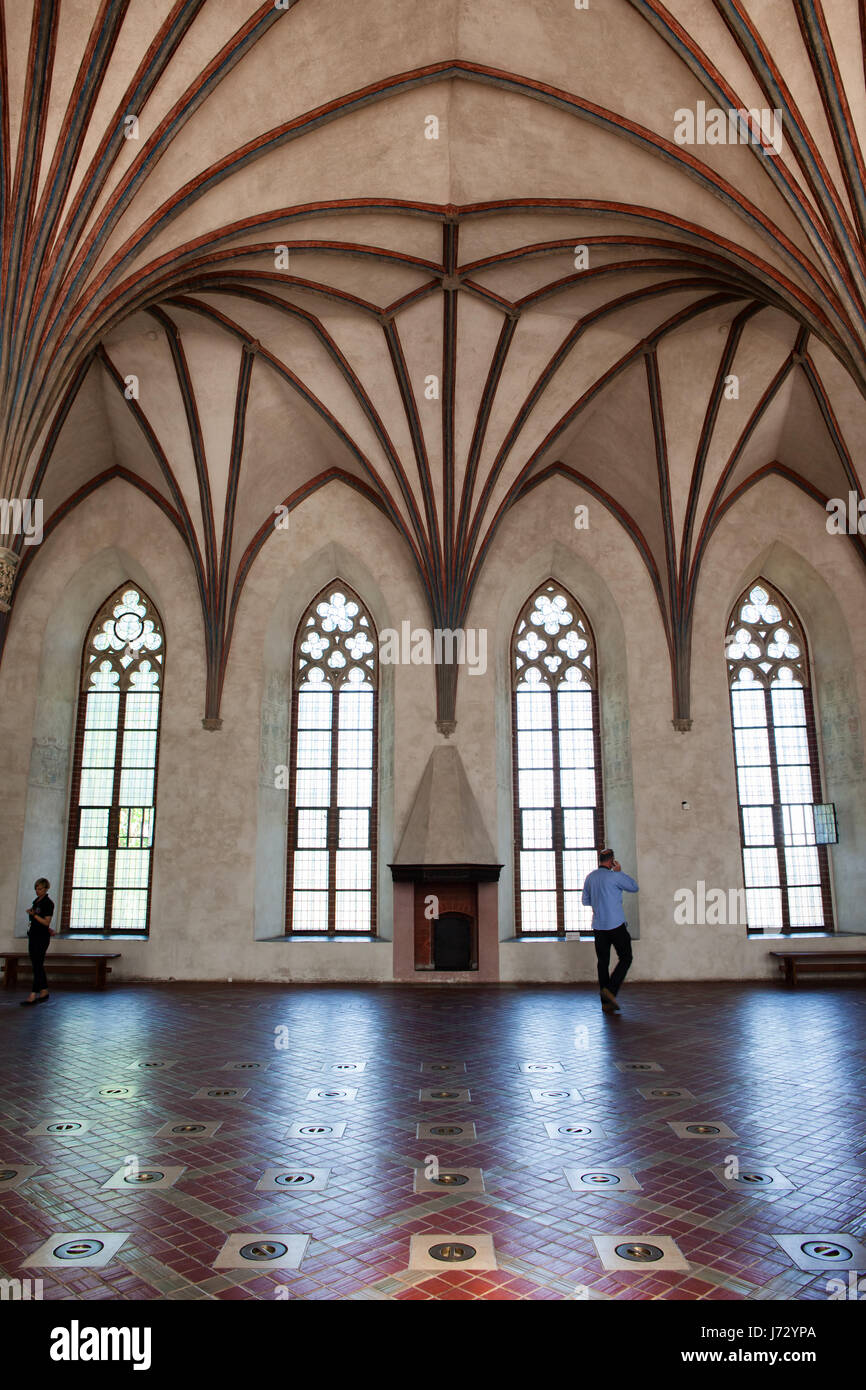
pixel 8 568
pixel 446 698
pixel 682 726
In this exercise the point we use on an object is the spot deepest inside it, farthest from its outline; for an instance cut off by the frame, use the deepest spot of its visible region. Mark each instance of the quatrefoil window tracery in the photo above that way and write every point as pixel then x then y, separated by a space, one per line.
pixel 125 649
pixel 553 641
pixel 337 645
pixel 764 644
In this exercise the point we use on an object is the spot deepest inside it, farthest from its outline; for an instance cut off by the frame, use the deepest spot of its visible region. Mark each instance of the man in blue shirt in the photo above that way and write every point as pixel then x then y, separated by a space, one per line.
pixel 602 891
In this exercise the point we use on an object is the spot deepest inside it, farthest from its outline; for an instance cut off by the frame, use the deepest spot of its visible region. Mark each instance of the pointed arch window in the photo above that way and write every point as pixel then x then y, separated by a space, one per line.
pixel 786 873
pixel 558 799
pixel 331 878
pixel 109 855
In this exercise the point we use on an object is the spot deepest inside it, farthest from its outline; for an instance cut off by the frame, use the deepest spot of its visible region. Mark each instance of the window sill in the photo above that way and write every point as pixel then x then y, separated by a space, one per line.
pixel 100 936
pixel 300 939
pixel 802 935
pixel 551 937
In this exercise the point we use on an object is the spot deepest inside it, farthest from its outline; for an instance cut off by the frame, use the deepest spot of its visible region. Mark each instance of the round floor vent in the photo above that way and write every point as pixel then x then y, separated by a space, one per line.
pixel 639 1253
pixel 77 1249
pixel 263 1250
pixel 826 1250
pixel 452 1252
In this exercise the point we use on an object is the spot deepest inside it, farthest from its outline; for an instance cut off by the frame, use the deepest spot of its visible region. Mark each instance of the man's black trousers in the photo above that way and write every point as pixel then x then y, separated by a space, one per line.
pixel 620 940
pixel 39 939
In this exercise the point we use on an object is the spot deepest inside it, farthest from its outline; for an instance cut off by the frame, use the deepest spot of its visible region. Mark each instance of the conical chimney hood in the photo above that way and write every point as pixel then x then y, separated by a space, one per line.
pixel 445 829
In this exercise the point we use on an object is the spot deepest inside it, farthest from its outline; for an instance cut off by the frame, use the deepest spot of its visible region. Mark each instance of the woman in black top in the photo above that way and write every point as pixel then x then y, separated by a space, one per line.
pixel 40 933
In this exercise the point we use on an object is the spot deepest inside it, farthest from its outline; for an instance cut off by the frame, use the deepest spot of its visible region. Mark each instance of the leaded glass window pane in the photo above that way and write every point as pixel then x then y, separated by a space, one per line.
pixel 97 786
pixel 87 910
pixel 90 868
pixel 355 829
pixel 537 829
pixel 93 828
pixel 804 905
pixel 311 870
pixel 577 917
pixel 576 748
pixel 535 748
pixel 578 786
pixel 136 786
pixel 778 774
pixel 352 912
pixel 535 788
pixel 559 823
pixel 537 869
pixel 131 868
pixel 354 786
pixel 578 829
pixel 112 815
pixel 331 842
pixel 538 912
pixel 312 829
pixel 353 869
pixel 102 710
pixel 128 911
pixel 764 909
pixel 309 911
pixel 98 748
pixel 795 784
pixel 753 747
pixel 758 825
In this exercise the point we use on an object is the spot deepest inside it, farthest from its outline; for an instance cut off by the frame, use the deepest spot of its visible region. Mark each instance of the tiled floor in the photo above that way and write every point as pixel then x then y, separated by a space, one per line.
pixel 784 1070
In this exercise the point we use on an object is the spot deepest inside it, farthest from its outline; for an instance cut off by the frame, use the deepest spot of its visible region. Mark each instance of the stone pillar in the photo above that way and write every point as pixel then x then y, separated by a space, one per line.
pixel 8 566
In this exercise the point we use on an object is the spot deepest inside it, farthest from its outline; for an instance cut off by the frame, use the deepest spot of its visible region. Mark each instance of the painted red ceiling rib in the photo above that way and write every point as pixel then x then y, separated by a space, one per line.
pixel 98 247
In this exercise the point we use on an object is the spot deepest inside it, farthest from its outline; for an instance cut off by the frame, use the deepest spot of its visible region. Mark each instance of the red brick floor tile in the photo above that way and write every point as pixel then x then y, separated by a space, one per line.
pixel 361 1224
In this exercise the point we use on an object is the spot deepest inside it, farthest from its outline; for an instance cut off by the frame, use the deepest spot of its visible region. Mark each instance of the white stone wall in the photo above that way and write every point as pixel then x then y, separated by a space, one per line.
pixel 218 881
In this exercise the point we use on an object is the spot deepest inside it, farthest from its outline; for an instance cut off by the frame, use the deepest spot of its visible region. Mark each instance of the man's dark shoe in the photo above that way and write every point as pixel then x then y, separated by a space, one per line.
pixel 609 997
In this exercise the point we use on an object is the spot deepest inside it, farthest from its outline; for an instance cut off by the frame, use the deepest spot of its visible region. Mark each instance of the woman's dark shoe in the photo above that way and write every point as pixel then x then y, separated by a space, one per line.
pixel 40 998
pixel 25 1003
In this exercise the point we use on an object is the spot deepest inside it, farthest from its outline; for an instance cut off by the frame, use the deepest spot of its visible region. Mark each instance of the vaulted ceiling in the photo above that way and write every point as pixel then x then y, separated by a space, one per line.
pixel 437 252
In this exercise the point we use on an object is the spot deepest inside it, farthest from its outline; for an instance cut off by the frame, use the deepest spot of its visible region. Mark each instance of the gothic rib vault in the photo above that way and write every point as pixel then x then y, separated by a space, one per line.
pixel 154 332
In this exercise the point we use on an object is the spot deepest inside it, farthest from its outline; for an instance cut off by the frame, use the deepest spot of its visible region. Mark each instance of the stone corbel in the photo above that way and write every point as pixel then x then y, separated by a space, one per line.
pixel 8 569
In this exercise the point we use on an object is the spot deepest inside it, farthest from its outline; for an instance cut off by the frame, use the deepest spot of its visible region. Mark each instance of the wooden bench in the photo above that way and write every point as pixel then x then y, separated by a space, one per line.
pixel 95 963
pixel 819 962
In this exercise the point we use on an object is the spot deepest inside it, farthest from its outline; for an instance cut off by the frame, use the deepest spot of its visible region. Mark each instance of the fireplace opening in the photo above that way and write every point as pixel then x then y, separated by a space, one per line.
pixel 452 942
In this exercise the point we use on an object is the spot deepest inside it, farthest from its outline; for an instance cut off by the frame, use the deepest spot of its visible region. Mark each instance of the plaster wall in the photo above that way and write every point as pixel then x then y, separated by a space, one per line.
pixel 218 884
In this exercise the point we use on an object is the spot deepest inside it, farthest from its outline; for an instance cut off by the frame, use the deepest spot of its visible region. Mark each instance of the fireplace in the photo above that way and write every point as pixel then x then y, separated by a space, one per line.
pixel 445 933
pixel 453 936
pixel 446 927
pixel 446 912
